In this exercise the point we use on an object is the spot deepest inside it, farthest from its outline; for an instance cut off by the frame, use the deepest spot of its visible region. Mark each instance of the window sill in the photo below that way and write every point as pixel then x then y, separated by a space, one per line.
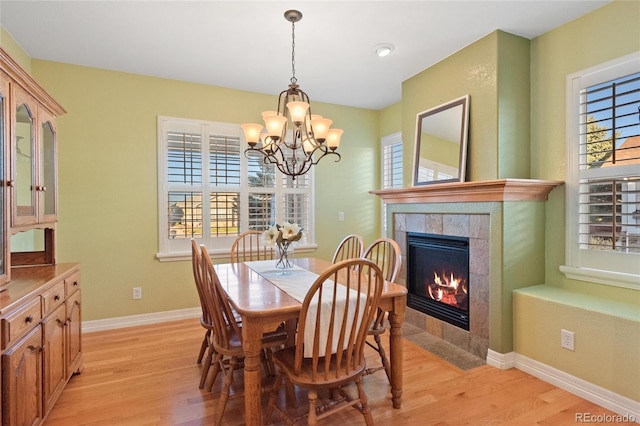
pixel 615 279
pixel 221 254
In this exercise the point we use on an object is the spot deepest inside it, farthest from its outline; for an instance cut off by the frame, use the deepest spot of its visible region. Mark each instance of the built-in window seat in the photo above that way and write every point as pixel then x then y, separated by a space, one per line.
pixel 606 335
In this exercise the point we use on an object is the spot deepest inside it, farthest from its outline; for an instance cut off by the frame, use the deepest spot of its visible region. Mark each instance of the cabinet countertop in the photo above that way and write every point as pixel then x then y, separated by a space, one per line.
pixel 26 281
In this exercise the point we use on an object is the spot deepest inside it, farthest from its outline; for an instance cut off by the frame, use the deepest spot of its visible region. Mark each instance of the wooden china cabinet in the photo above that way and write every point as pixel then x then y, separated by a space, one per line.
pixel 40 299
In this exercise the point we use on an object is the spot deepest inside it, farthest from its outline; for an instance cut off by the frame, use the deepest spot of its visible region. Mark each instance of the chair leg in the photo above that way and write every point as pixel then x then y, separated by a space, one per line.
pixel 292 401
pixel 268 358
pixel 218 360
pixel 364 403
pixel 224 395
pixel 313 399
pixel 383 356
pixel 204 345
pixel 272 398
pixel 206 367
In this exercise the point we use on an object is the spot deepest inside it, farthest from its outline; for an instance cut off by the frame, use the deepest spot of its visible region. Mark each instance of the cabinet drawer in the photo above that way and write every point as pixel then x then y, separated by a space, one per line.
pixel 20 322
pixel 72 283
pixel 52 298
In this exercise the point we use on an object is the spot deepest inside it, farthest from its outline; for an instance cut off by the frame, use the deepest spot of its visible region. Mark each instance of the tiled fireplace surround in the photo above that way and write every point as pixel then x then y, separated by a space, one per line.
pixel 501 218
pixel 476 228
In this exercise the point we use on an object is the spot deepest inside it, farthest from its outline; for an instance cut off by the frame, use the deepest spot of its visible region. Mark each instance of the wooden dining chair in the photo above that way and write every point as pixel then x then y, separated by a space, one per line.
pixel 329 351
pixel 350 247
pixel 206 319
pixel 385 253
pixel 248 246
pixel 227 334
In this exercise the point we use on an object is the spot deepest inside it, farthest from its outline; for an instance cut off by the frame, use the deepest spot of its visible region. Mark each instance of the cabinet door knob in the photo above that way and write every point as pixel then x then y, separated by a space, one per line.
pixel 29 319
pixel 11 183
pixel 56 297
pixel 43 188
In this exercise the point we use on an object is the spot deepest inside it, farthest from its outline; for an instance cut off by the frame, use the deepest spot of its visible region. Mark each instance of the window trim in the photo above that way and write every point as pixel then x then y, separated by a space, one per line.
pixel 164 253
pixel 603 267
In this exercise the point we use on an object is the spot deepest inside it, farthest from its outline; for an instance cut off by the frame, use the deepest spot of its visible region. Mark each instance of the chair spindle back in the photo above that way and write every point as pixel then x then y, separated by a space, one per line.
pixel 248 246
pixel 385 253
pixel 351 247
pixel 361 281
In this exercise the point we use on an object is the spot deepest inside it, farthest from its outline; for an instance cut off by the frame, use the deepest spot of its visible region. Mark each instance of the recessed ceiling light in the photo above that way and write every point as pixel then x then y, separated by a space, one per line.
pixel 383 50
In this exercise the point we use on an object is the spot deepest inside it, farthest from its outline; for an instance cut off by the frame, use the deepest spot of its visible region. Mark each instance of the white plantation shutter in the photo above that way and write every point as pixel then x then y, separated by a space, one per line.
pixel 297 209
pixel 610 214
pixel 603 187
pixel 392 165
pixel 391 168
pixel 243 193
pixel 609 165
pixel 224 160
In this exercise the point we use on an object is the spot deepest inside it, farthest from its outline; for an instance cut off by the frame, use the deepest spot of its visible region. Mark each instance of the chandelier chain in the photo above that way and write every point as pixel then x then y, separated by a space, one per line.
pixel 294 80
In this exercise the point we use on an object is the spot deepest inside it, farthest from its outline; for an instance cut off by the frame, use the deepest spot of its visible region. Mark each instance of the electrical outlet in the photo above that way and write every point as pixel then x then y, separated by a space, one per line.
pixel 567 339
pixel 340 216
pixel 137 293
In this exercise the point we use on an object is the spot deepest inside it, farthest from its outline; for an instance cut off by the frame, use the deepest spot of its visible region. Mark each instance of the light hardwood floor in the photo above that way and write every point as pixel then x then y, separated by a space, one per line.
pixel 148 376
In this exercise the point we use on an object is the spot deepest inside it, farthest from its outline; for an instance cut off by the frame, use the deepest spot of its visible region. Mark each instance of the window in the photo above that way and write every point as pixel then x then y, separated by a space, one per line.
pixel 391 168
pixel 603 197
pixel 209 190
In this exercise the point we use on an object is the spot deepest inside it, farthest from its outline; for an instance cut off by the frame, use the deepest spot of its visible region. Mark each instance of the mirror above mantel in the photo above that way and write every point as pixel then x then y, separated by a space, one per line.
pixel 441 143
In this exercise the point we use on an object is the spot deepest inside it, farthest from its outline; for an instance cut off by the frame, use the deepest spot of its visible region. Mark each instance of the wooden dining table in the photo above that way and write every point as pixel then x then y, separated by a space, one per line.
pixel 263 306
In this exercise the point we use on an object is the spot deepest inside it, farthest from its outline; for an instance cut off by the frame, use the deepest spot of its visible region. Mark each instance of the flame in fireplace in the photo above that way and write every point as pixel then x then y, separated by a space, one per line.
pixel 452 290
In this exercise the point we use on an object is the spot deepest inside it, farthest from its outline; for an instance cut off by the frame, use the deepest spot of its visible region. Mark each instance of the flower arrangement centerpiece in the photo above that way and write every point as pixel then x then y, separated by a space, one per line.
pixel 282 236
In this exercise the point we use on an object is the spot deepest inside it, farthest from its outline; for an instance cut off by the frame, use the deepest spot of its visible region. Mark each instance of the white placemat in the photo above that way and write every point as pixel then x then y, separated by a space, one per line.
pixel 296 282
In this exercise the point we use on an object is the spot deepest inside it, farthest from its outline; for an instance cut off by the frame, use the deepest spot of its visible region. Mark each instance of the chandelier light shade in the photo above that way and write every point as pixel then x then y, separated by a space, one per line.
pixel 292 138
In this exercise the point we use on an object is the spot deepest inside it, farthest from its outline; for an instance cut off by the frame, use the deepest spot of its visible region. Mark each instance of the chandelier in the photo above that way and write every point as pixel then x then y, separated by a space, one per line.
pixel 292 138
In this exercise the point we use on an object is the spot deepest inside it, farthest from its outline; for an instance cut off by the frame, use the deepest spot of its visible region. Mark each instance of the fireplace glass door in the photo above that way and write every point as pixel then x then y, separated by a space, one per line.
pixel 438 276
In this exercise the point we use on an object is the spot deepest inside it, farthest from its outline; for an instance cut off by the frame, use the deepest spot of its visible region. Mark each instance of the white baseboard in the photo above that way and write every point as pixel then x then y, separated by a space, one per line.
pixel 603 397
pixel 501 361
pixel 142 319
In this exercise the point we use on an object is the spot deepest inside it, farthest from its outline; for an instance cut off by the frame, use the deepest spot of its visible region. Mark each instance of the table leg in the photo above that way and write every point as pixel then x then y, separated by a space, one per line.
pixel 252 344
pixel 396 317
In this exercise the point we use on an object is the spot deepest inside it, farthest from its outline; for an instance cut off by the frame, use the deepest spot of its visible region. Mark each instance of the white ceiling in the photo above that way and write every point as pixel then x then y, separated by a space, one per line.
pixel 247 44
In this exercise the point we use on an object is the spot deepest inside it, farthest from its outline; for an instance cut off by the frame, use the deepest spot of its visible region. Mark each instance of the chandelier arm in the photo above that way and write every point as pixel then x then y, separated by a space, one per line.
pixel 282 102
pixel 325 152
pixel 285 166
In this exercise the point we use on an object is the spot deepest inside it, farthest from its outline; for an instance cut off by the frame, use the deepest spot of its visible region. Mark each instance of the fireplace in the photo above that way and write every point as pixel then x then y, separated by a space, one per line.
pixel 438 276
pixel 476 210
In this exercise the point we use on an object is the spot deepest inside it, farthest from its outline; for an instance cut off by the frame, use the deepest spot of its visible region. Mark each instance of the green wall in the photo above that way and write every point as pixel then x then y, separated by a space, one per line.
pixel 390 121
pixel 605 319
pixel 608 33
pixel 14 50
pixel 494 72
pixel 108 180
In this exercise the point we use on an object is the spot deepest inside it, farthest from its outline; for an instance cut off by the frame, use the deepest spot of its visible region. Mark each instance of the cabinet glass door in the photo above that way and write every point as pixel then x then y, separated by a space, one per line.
pixel 24 173
pixel 4 91
pixel 48 179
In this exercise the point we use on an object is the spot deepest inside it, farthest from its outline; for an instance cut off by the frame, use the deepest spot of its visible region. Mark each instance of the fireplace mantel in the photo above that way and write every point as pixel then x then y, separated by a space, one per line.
pixel 475 191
